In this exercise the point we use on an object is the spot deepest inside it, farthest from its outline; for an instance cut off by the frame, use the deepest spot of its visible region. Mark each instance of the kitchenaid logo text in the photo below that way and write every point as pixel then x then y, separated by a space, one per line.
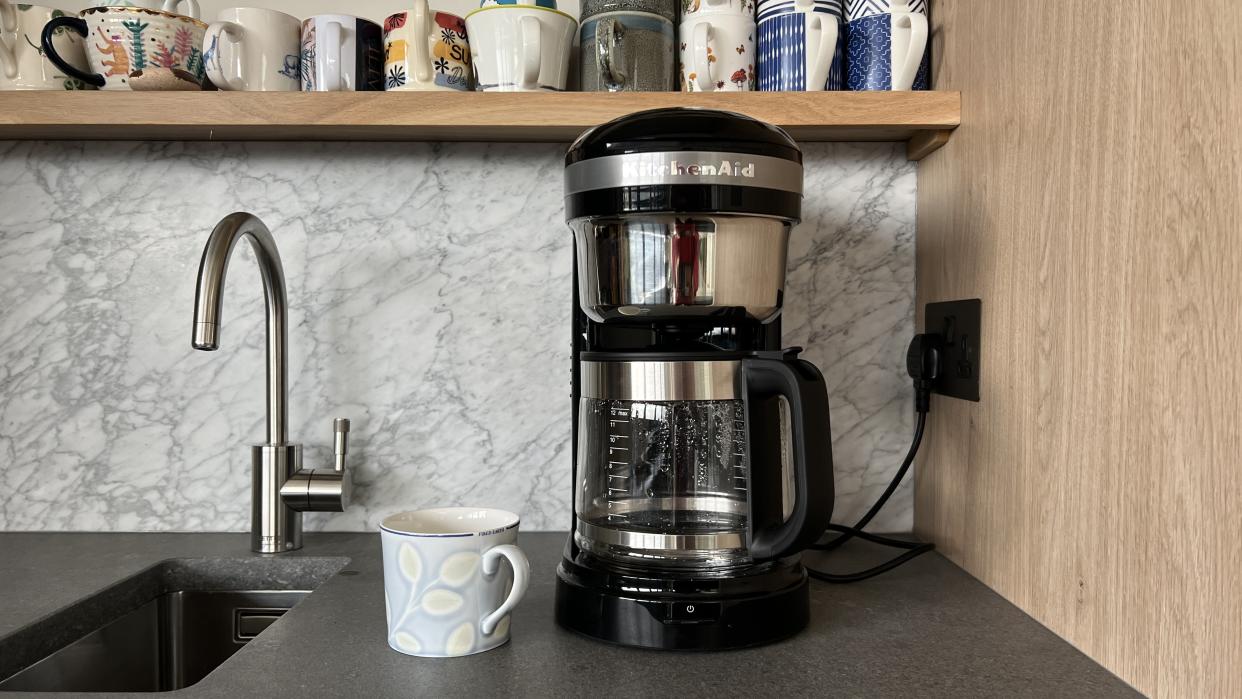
pixel 673 167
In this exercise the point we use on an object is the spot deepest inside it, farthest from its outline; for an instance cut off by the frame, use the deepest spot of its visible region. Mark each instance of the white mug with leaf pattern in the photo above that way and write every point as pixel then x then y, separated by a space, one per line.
pixel 446 593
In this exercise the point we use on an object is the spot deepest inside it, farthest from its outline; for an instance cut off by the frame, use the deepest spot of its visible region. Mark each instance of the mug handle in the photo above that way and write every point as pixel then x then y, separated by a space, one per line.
pixel 172 5
pixel 422 62
pixel 328 59
pixel 608 35
pixel 702 66
pixel 225 33
pixel 826 29
pixel 521 580
pixel 532 52
pixel 908 55
pixel 49 32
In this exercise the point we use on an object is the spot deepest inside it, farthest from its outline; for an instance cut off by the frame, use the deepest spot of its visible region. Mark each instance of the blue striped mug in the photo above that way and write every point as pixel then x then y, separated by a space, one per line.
pixel 887 51
pixel 801 48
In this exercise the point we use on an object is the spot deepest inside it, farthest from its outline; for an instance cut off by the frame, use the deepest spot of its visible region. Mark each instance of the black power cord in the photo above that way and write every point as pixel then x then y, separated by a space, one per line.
pixel 923 365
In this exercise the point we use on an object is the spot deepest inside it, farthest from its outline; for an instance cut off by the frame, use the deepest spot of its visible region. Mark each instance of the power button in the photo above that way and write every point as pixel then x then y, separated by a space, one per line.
pixel 693 612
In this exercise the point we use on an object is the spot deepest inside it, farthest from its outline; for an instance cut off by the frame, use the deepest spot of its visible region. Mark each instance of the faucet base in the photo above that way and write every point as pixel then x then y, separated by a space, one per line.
pixel 274 526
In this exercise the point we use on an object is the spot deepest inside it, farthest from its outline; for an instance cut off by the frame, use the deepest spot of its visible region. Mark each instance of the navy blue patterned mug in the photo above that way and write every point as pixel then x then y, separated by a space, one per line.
pixel 888 51
pixel 801 49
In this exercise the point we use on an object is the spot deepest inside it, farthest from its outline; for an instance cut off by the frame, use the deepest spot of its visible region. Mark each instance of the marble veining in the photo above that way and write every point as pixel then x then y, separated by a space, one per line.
pixel 429 294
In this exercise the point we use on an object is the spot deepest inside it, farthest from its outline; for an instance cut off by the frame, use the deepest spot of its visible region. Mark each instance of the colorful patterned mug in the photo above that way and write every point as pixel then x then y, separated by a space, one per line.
pixel 22 63
pixel 446 593
pixel 134 48
pixel 718 53
pixel 426 50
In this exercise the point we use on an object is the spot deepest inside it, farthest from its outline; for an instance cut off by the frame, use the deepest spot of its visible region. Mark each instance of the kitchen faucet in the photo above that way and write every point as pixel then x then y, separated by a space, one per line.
pixel 281 490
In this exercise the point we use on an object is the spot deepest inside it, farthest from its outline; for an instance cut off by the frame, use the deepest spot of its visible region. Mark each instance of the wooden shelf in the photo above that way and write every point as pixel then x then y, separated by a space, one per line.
pixel 924 119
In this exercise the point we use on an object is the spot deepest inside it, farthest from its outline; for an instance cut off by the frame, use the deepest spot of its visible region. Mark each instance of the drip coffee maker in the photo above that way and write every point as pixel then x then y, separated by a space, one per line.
pixel 702 457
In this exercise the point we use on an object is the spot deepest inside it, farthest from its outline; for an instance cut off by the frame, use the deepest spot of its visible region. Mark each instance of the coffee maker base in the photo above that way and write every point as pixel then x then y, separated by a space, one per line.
pixel 730 616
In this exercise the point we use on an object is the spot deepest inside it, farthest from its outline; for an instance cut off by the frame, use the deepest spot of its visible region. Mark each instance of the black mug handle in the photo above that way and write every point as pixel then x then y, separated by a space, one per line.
pixel 78 25
pixel 802 385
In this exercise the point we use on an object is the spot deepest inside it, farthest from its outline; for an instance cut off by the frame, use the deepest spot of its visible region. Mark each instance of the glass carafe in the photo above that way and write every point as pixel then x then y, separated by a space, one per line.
pixel 671 451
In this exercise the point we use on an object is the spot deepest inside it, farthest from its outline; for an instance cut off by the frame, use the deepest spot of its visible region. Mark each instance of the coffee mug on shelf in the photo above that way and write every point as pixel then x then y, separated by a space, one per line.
pixel 22 63
pixel 342 53
pixel 446 590
pixel 254 50
pixel 691 8
pixel 520 47
pixel 801 46
pixel 887 50
pixel 550 4
pixel 426 50
pixel 627 51
pixel 133 48
pixel 718 53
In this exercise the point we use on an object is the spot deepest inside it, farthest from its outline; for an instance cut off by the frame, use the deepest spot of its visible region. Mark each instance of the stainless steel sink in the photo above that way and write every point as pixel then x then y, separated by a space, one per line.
pixel 162 638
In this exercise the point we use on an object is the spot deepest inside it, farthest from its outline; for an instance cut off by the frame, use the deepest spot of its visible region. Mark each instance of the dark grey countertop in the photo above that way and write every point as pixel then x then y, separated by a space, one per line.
pixel 925 629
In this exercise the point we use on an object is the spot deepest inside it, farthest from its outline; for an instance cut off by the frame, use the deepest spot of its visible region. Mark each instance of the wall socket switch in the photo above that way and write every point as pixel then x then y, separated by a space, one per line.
pixel 958 323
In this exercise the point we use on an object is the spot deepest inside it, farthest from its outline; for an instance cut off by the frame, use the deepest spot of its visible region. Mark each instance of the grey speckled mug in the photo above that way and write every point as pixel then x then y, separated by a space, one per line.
pixel 627 51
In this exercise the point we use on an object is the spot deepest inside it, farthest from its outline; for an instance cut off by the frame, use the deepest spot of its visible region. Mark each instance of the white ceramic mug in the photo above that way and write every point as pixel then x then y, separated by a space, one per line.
pixel 22 63
pixel 342 53
pixel 718 53
pixel 446 593
pixel 247 48
pixel 426 50
pixel 520 47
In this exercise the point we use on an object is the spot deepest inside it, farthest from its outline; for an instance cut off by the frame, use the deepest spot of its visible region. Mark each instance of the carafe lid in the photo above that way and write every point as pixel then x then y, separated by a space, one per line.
pixel 684 160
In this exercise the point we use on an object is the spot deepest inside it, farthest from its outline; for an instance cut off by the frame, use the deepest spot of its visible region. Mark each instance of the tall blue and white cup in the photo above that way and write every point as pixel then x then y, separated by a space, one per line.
pixel 446 592
pixel 886 45
pixel 801 45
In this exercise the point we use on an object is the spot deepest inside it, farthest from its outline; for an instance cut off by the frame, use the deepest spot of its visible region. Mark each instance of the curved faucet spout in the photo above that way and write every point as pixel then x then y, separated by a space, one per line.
pixel 209 297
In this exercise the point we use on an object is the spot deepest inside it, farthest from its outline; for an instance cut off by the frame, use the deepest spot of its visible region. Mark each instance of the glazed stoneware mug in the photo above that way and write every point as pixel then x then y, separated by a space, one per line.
pixel 801 45
pixel 520 47
pixel 718 47
pixel 887 42
pixel 256 50
pixel 134 48
pixel 426 50
pixel 22 63
pixel 628 45
pixel 342 53
pixel 446 592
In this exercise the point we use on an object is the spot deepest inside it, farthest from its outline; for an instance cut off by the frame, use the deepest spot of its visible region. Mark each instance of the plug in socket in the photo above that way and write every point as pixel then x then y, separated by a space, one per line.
pixel 958 323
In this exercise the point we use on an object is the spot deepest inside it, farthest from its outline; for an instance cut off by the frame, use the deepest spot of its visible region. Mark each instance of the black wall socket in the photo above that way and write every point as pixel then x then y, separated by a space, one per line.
pixel 958 323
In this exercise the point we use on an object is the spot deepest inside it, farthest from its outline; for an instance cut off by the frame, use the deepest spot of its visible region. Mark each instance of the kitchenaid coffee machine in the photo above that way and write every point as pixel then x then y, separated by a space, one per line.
pixel 702 454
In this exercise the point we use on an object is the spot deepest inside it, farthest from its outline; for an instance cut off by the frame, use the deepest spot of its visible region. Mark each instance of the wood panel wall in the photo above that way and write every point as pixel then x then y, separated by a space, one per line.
pixel 1093 199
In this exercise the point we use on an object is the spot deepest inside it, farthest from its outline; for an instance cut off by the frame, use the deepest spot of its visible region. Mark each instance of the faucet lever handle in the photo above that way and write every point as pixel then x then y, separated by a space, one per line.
pixel 340 443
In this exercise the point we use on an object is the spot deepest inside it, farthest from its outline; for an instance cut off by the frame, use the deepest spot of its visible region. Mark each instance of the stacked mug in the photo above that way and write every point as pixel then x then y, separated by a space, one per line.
pixel 717 46
pixel 520 45
pixel 887 45
pixel 801 45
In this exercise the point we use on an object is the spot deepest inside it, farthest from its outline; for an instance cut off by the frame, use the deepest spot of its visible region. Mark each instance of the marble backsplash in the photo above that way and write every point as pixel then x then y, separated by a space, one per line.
pixel 429 294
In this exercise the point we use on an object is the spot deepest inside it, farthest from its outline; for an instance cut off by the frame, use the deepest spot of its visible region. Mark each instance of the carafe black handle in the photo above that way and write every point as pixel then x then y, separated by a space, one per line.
pixel 73 24
pixel 802 385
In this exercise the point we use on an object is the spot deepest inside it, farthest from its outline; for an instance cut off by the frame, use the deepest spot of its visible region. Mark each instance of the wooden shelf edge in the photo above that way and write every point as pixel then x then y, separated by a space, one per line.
pixel 924 119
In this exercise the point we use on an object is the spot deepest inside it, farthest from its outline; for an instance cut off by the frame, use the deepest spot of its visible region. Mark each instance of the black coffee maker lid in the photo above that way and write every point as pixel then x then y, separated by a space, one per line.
pixel 684 160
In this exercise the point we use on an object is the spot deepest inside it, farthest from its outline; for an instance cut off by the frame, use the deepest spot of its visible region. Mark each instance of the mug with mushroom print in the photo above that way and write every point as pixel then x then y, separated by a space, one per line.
pixel 447 591
pixel 717 53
